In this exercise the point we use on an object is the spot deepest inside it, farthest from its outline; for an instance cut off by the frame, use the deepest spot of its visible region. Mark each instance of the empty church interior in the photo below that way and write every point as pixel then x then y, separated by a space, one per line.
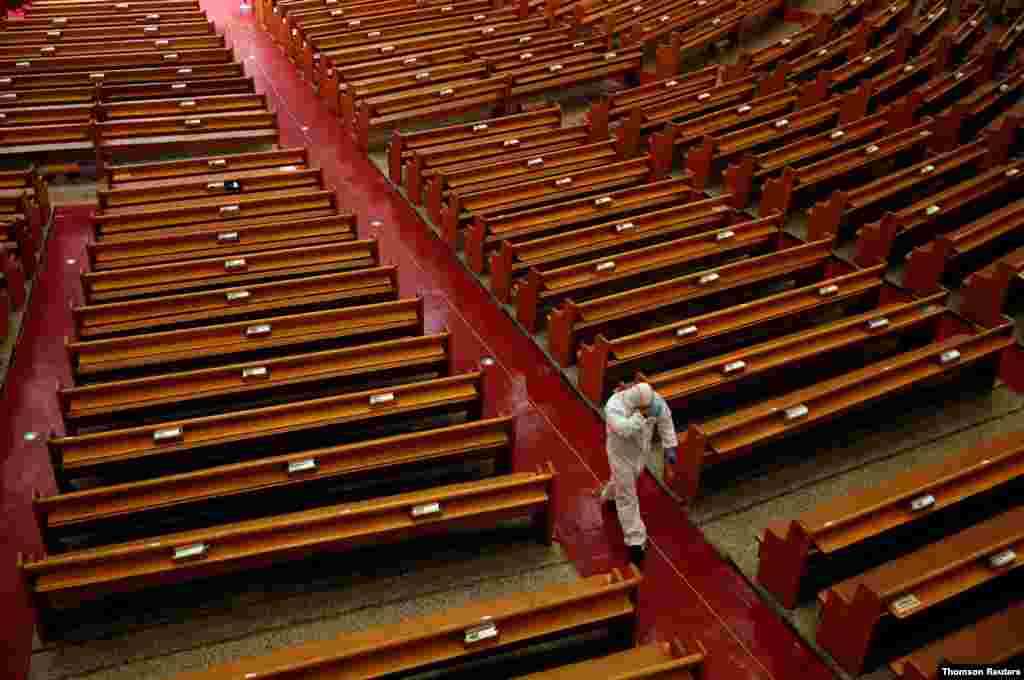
pixel 547 339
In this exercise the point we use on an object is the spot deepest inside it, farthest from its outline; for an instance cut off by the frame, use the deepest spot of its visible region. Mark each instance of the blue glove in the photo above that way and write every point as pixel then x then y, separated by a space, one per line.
pixel 672 455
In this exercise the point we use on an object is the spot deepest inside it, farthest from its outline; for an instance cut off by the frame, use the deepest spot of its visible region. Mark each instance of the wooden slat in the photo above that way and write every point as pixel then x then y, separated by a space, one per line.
pixel 136 172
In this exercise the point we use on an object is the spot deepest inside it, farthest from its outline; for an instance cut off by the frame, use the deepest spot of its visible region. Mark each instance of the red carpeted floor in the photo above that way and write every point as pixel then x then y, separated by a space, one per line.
pixel 688 590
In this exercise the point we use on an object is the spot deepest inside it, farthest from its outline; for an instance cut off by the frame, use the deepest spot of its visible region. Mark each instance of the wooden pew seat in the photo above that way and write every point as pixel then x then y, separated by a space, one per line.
pixel 120 509
pixel 962 352
pixel 796 555
pixel 74 578
pixel 902 592
pixel 993 640
pixel 603 602
pixel 123 403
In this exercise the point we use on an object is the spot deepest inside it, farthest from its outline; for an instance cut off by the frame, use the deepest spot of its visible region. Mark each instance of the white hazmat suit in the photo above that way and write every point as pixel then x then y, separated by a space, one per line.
pixel 629 431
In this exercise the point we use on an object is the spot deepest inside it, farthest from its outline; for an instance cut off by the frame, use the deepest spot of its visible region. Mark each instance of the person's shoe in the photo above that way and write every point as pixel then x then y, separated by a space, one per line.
pixel 636 554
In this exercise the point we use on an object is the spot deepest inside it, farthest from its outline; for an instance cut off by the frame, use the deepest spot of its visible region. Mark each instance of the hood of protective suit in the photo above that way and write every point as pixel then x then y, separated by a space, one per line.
pixel 638 396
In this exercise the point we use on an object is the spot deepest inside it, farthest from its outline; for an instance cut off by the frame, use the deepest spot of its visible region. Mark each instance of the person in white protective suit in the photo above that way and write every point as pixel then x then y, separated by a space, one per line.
pixel 632 416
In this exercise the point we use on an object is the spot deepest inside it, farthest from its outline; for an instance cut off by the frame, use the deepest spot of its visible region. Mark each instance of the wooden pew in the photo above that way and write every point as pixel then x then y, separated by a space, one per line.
pixel 769 58
pixel 187 310
pixel 897 232
pixel 131 506
pixel 515 258
pixel 849 45
pixel 693 387
pixel 192 348
pixel 488 231
pixel 125 403
pixel 950 256
pixel 796 555
pixel 72 579
pixel 329 87
pixel 28 143
pixel 76 9
pixel 124 175
pixel 121 18
pixel 573 323
pixel 315 42
pixel 741 178
pixel 610 361
pixel 121 76
pixel 617 105
pixel 389 110
pixel 145 138
pixel 663 660
pixel 701 160
pixel 404 147
pixel 462 208
pixel 218 273
pixel 574 71
pixel 890 53
pixel 98 34
pixel 245 181
pixel 114 60
pixel 603 603
pixel 697 248
pixel 226 209
pixel 426 163
pixel 197 442
pixel 138 100
pixel 994 640
pixel 189 243
pixel 146 46
pixel 684 135
pixel 868 201
pixel 989 101
pixel 987 291
pixel 961 351
pixel 31 115
pixel 352 92
pixel 798 181
pixel 485 173
pixel 901 592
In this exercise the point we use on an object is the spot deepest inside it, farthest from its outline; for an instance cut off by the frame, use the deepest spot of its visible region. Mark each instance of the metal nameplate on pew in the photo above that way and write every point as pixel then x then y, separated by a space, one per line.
pixel 905 604
pixel 794 412
pixel 686 331
pixel 195 551
pixel 151 29
pixel 605 266
pixel 932 209
pixel 425 509
pixel 53 34
pixel 217 163
pixel 922 502
pixel 949 356
pixel 534 162
pixel 180 86
pixel 187 104
pixel 237 295
pixel 724 235
pixel 624 226
pixel 477 634
pixel 258 329
pixel 171 56
pixel 236 263
pixel 227 237
pixel 877 323
pixel 185 71
pixel 708 278
pixel 167 434
pixel 305 465
pixel 830 289
pixel 229 209
pixel 1002 559
pixel 734 366
pixel 376 399
pixel 250 372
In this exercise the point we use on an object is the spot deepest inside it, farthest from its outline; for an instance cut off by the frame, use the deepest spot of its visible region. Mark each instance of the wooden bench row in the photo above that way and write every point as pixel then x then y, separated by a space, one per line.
pixel 960 350
pixel 71 579
pixel 488 632
pixel 796 555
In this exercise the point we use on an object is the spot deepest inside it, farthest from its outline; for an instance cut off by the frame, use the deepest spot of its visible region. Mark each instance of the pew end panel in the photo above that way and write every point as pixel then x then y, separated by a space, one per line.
pixel 782 559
